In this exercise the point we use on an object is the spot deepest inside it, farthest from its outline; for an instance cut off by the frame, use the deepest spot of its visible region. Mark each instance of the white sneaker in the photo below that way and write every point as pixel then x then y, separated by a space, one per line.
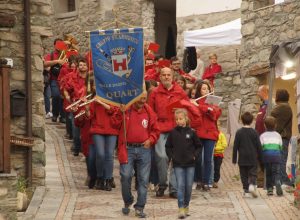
pixel 49 115
pixel 151 187
pixel 252 190
pixel 194 185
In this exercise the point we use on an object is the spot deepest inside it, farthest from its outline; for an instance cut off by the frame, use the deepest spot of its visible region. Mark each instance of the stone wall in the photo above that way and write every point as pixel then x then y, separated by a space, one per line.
pixel 228 56
pixel 93 15
pixel 8 196
pixel 12 46
pixel 261 28
pixel 227 85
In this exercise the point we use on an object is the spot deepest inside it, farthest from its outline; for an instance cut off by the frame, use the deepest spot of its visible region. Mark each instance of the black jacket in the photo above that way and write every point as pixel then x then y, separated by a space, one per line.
pixel 183 146
pixel 248 147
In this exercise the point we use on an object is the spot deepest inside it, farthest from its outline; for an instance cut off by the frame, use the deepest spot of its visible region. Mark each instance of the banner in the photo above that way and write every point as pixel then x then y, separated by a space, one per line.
pixel 118 63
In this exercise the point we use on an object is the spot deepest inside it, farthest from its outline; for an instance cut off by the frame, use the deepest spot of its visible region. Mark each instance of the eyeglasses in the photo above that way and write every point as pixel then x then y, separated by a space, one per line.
pixel 175 63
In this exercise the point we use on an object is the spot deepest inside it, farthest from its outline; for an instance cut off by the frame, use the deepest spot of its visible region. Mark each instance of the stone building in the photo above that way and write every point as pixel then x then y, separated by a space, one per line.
pixel 79 17
pixel 265 24
pixel 25 49
pixel 27 31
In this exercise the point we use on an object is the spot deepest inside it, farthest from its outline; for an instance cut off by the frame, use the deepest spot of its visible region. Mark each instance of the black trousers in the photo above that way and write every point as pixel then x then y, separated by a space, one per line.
pixel 273 176
pixel 217 168
pixel 248 175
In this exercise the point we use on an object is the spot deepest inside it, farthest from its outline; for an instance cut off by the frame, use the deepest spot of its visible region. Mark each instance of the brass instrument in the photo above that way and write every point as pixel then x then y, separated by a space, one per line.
pixel 79 114
pixel 87 102
pixel 77 102
pixel 83 104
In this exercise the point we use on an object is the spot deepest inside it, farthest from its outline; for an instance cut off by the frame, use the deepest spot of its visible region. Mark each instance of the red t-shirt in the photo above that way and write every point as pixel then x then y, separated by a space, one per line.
pixel 138 126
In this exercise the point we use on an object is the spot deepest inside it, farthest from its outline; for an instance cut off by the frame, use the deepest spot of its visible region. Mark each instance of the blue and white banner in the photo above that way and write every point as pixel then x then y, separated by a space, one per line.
pixel 118 61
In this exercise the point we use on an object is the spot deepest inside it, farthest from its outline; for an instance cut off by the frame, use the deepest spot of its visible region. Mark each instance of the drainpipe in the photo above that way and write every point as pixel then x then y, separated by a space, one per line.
pixel 28 82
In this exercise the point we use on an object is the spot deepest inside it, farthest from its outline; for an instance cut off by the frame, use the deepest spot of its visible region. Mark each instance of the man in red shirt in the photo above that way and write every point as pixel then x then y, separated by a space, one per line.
pixel 161 97
pixel 75 89
pixel 175 65
pixel 50 60
pixel 141 134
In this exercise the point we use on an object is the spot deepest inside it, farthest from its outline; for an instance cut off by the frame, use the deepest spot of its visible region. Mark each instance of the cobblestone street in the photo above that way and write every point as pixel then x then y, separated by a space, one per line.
pixel 66 196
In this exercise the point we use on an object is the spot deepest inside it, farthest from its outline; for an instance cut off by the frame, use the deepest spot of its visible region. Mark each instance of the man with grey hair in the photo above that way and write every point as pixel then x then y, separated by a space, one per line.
pixel 160 98
pixel 263 94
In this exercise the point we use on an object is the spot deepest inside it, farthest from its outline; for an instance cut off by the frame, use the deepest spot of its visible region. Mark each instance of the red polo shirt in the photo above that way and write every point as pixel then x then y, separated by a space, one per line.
pixel 138 126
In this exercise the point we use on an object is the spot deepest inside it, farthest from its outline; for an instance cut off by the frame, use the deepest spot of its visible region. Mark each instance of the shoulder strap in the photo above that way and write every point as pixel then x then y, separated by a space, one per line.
pixel 52 55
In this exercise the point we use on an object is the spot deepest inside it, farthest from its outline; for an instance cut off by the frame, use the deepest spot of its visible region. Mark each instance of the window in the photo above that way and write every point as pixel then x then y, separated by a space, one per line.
pixel 65 8
pixel 71 5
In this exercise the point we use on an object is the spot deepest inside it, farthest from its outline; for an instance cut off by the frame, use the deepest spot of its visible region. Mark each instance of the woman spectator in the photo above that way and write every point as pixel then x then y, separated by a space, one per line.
pixel 208 134
pixel 212 70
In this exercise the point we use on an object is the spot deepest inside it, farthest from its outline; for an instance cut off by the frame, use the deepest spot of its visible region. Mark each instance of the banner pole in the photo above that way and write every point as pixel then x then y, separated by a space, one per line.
pixel 124 124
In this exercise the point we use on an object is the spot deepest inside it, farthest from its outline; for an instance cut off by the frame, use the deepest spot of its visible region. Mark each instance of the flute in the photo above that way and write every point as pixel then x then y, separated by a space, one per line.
pixel 77 102
pixel 203 96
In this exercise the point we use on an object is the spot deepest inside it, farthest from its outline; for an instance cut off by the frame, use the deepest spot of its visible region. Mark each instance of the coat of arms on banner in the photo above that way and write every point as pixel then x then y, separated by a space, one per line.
pixel 118 63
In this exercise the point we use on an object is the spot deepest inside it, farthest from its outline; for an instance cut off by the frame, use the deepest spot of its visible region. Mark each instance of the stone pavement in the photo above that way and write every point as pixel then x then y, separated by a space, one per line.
pixel 65 195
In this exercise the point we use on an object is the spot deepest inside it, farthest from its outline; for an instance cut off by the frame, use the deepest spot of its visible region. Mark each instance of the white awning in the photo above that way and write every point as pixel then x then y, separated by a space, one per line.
pixel 224 34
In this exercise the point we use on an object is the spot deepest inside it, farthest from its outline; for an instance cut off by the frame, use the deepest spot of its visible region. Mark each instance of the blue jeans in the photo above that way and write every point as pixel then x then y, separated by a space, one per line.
pixel 69 125
pixel 57 103
pixel 153 171
pixel 284 156
pixel 184 177
pixel 142 158
pixel 208 150
pixel 47 96
pixel 272 171
pixel 105 146
pixel 76 135
pixel 162 163
pixel 91 162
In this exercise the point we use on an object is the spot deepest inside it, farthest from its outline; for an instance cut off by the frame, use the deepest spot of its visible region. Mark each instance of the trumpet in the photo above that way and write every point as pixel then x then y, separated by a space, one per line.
pixel 87 102
pixel 83 104
pixel 77 102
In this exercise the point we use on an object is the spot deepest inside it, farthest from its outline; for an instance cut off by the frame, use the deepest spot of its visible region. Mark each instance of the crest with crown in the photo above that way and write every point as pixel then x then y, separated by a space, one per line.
pixel 118 51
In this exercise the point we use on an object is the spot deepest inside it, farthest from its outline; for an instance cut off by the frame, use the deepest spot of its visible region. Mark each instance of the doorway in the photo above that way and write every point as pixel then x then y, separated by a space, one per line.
pixel 165 27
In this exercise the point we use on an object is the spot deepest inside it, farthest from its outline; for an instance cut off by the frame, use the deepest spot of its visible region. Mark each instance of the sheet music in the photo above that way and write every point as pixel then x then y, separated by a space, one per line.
pixel 213 99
